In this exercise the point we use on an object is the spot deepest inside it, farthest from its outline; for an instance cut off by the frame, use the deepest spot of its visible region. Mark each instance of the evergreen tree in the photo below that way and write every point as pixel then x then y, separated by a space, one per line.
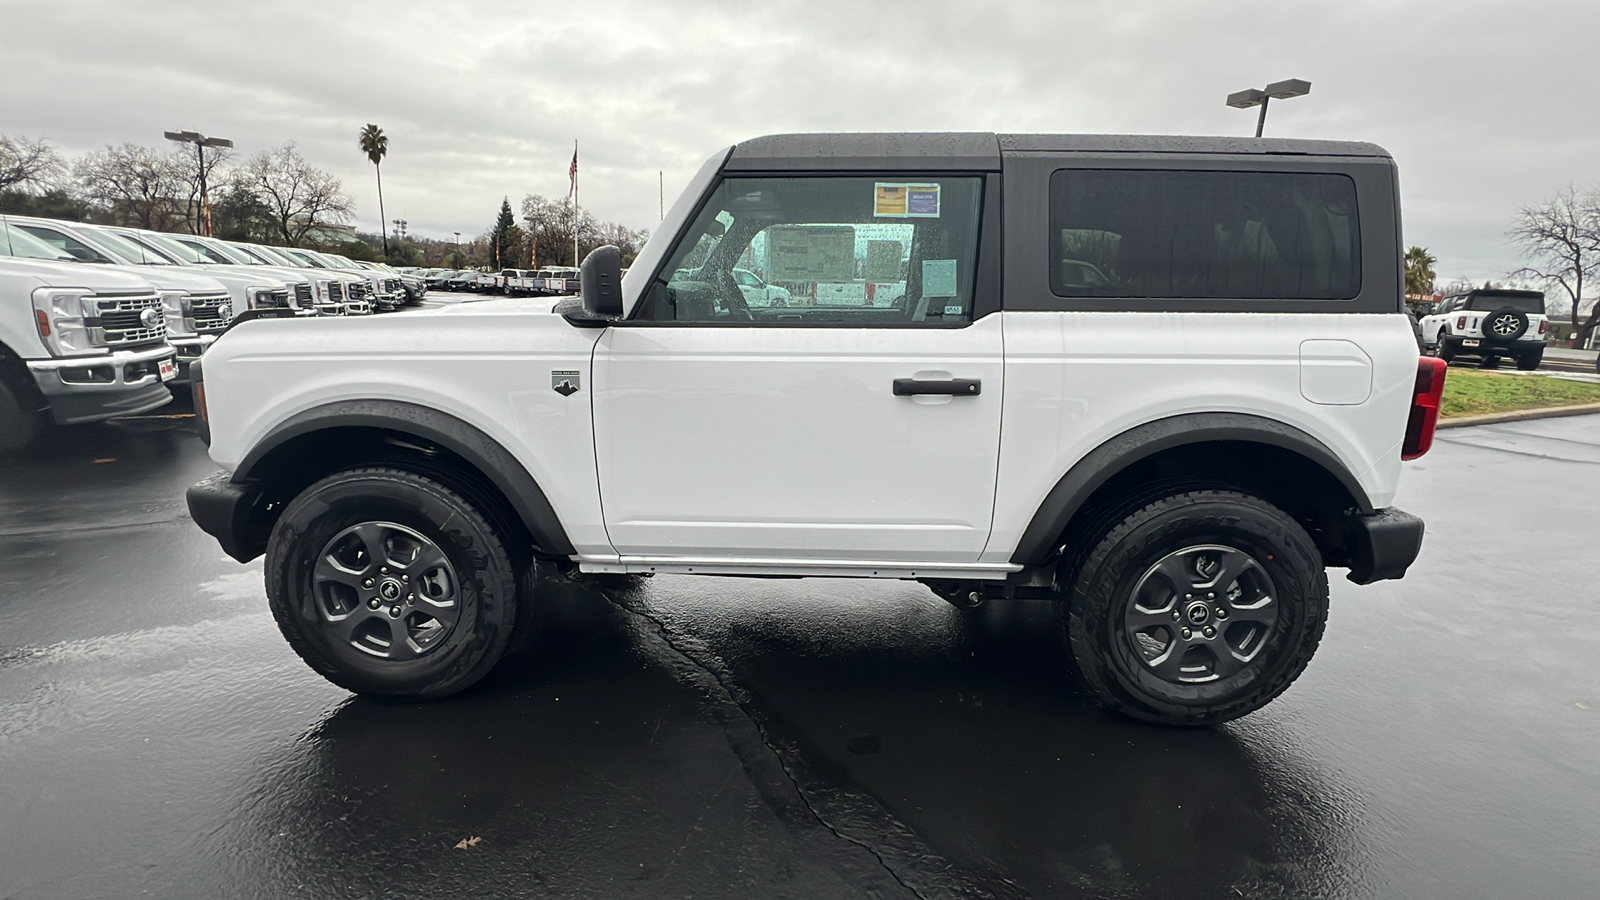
pixel 505 240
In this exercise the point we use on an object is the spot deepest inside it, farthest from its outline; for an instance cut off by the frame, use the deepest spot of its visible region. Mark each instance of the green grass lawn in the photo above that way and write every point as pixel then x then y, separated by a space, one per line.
pixel 1468 393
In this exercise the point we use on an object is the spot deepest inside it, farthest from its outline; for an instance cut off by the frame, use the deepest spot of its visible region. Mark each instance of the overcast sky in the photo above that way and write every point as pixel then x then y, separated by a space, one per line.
pixel 1486 105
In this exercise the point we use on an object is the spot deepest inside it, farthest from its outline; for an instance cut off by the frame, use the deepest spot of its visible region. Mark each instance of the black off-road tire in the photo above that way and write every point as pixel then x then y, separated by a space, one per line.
pixel 21 420
pixel 1104 653
pixel 1489 361
pixel 487 580
pixel 1527 362
pixel 1445 351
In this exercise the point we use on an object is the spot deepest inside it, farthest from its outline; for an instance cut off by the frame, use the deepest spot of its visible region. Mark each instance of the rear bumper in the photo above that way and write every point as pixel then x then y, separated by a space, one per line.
pixel 1383 544
pixel 1458 345
pixel 225 511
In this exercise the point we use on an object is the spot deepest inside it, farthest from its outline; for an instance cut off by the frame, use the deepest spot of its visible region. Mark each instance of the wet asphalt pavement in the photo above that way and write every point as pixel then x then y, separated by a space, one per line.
pixel 684 737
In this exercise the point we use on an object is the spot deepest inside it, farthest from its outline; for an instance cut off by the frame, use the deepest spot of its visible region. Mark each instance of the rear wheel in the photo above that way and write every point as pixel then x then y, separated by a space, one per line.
pixel 390 584
pixel 1527 362
pixel 1197 608
pixel 1446 352
pixel 1489 361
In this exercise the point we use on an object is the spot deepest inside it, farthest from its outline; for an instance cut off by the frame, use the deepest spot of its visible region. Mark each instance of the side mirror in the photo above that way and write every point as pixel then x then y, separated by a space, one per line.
pixel 600 283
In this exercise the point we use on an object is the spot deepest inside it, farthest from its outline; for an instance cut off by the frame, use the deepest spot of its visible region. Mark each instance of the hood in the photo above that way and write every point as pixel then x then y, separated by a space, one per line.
pixel 176 278
pixel 98 278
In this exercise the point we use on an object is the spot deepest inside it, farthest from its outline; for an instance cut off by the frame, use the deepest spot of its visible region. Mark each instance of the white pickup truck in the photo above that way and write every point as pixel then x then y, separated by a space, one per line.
pixel 1489 324
pixel 78 342
pixel 1172 453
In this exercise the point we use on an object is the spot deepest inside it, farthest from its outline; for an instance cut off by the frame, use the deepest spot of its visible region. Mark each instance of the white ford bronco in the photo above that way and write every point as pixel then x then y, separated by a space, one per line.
pixel 1489 324
pixel 1162 382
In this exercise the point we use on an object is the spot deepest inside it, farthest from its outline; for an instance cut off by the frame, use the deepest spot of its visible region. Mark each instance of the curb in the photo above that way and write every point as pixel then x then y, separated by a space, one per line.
pixel 1520 415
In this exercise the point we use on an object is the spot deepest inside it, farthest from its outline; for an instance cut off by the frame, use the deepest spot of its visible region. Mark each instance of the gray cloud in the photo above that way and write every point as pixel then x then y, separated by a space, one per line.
pixel 1486 105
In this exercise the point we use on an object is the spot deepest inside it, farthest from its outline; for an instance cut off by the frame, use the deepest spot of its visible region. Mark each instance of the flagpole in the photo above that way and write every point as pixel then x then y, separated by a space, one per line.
pixel 575 260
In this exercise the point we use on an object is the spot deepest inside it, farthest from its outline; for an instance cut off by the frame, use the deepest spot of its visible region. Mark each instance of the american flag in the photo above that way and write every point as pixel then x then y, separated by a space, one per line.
pixel 572 170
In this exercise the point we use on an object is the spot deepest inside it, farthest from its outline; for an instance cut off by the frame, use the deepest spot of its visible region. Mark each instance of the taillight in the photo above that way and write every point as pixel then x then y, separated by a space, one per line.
pixel 200 401
pixel 1424 407
pixel 43 321
pixel 1544 326
pixel 1461 322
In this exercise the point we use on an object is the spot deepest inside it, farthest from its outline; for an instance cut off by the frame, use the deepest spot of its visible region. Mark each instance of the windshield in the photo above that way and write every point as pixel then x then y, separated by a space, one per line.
pixel 66 242
pixel 129 251
pixel 176 250
pixel 306 259
pixel 229 253
pixel 202 249
pixel 276 257
pixel 16 242
pixel 1527 303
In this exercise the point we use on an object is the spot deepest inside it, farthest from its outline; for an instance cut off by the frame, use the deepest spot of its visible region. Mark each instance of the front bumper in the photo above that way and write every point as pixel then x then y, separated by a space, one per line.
pixel 226 511
pixel 1383 544
pixel 189 349
pixel 89 389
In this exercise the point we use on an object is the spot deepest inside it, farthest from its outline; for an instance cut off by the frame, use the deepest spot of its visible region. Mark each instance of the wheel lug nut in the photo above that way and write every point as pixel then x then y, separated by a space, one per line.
pixel 405 579
pixel 1176 615
pixel 1210 632
pixel 367 584
pixel 1211 596
pixel 383 570
pixel 1222 612
pixel 394 612
pixel 1186 633
pixel 373 603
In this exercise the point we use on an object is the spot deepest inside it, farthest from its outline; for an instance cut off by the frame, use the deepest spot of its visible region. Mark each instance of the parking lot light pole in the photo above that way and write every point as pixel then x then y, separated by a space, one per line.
pixel 1278 90
pixel 200 142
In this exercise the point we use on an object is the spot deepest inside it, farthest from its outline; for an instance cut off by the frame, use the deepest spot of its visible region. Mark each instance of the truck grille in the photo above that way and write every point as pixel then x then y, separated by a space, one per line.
pixel 357 291
pixel 336 290
pixel 392 285
pixel 209 315
pixel 302 295
pixel 122 321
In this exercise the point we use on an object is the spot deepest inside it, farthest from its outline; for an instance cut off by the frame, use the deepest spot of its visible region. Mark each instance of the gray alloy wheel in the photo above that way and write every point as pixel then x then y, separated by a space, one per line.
pixel 386 590
pixel 1200 614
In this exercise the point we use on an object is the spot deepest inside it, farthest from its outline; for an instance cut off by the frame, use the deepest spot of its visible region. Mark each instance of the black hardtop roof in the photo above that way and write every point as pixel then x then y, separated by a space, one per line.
pixel 982 151
pixel 1498 292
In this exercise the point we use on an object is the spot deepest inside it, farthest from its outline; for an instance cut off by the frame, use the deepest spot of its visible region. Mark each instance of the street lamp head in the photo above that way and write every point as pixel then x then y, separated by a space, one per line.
pixel 183 137
pixel 1290 87
pixel 216 142
pixel 1246 98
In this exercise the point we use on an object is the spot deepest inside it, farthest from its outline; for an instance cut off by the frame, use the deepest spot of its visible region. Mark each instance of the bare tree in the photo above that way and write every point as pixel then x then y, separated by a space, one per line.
pixel 299 197
pixel 188 172
pixel 28 164
pixel 1561 236
pixel 134 185
pixel 550 223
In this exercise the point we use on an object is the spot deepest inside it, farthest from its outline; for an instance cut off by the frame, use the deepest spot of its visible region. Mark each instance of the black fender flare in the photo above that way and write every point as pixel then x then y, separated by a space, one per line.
pixel 459 437
pixel 1101 464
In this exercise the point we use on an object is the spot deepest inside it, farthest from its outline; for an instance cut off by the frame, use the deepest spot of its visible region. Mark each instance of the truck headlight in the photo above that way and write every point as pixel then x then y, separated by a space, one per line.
pixel 260 298
pixel 62 316
pixel 176 306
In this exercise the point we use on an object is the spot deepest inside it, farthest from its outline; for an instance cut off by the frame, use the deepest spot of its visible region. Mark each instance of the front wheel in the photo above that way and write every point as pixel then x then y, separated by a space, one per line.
pixel 391 584
pixel 1197 608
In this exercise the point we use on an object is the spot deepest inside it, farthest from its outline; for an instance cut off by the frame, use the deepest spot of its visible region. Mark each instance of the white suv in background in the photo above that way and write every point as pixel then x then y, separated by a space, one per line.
pixel 1489 324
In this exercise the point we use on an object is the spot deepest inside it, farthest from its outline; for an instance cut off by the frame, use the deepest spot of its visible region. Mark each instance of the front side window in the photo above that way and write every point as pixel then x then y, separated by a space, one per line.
pixel 1125 233
pixel 818 250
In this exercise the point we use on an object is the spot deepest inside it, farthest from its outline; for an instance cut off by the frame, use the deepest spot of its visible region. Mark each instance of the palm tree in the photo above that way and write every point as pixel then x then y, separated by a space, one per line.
pixel 375 144
pixel 1419 271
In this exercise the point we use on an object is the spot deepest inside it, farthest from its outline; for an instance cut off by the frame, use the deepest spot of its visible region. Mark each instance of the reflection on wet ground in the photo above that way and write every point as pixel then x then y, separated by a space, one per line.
pixel 748 737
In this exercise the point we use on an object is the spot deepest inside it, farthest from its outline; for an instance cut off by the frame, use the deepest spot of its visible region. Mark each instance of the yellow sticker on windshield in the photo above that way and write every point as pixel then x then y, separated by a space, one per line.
pixel 890 200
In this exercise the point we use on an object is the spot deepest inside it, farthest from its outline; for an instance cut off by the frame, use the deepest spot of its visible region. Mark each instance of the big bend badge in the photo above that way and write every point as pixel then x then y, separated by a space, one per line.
pixel 565 383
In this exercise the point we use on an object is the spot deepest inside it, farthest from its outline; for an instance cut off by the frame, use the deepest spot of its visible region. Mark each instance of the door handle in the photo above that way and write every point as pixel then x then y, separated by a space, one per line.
pixel 959 387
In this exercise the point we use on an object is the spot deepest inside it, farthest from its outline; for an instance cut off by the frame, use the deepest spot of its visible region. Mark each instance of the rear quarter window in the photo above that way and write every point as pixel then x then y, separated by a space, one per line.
pixel 1138 233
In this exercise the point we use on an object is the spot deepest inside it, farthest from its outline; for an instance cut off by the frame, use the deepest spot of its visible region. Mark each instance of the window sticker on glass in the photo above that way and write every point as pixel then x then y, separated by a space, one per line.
pixel 902 201
pixel 883 261
pixel 812 252
pixel 938 278
pixel 954 310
